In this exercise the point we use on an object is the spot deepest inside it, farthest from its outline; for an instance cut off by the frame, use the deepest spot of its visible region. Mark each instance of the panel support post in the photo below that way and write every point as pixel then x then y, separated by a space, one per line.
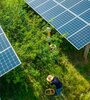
pixel 86 51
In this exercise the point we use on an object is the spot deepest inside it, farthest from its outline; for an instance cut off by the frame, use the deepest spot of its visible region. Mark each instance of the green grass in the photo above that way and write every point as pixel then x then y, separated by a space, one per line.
pixel 71 70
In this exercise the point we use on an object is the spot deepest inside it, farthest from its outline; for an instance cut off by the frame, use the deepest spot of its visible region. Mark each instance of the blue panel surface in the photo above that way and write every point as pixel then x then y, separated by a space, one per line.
pixel 70 3
pixel 8 58
pixel 62 19
pixel 86 16
pixel 72 27
pixel 52 13
pixel 36 3
pixel 46 6
pixel 68 17
pixel 81 38
pixel 3 43
pixel 59 1
pixel 81 7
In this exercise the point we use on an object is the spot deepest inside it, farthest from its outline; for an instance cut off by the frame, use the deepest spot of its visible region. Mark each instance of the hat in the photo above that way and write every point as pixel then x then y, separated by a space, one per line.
pixel 48 29
pixel 50 78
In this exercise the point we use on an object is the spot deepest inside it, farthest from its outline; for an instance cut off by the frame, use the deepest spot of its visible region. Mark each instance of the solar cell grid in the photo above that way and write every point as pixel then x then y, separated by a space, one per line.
pixel 8 58
pixel 72 27
pixel 81 7
pixel 46 6
pixel 86 16
pixel 53 12
pixel 60 1
pixel 3 42
pixel 81 38
pixel 67 16
pixel 69 3
pixel 62 19
pixel 36 3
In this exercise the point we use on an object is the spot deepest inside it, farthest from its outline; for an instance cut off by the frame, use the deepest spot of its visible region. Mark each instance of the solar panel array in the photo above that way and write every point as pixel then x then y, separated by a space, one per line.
pixel 71 18
pixel 8 58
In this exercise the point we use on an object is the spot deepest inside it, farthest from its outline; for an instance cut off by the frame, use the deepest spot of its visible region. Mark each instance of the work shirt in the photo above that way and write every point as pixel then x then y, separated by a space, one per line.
pixel 56 82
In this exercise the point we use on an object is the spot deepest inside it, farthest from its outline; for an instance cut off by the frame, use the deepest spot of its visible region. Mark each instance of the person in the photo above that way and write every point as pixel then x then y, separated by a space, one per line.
pixel 55 81
pixel 48 30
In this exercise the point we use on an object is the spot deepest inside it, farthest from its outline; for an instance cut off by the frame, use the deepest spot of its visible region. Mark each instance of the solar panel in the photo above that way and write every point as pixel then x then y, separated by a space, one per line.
pixel 8 58
pixel 70 18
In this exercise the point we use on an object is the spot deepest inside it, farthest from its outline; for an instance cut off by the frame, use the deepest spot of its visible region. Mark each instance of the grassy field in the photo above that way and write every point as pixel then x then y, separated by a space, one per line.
pixel 28 81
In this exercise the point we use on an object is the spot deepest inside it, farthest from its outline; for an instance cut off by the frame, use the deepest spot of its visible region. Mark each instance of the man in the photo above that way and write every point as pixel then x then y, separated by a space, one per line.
pixel 49 34
pixel 55 81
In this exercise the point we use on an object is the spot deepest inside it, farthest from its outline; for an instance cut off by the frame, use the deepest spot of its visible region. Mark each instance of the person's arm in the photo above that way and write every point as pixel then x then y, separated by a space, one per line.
pixel 52 82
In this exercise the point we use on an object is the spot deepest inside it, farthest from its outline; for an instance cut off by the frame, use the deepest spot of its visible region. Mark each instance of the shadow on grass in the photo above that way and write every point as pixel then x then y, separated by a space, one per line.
pixel 15 92
pixel 76 58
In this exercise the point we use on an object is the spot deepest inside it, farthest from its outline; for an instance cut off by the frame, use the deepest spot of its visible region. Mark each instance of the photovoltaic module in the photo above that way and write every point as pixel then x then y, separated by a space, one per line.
pixel 71 18
pixel 8 58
